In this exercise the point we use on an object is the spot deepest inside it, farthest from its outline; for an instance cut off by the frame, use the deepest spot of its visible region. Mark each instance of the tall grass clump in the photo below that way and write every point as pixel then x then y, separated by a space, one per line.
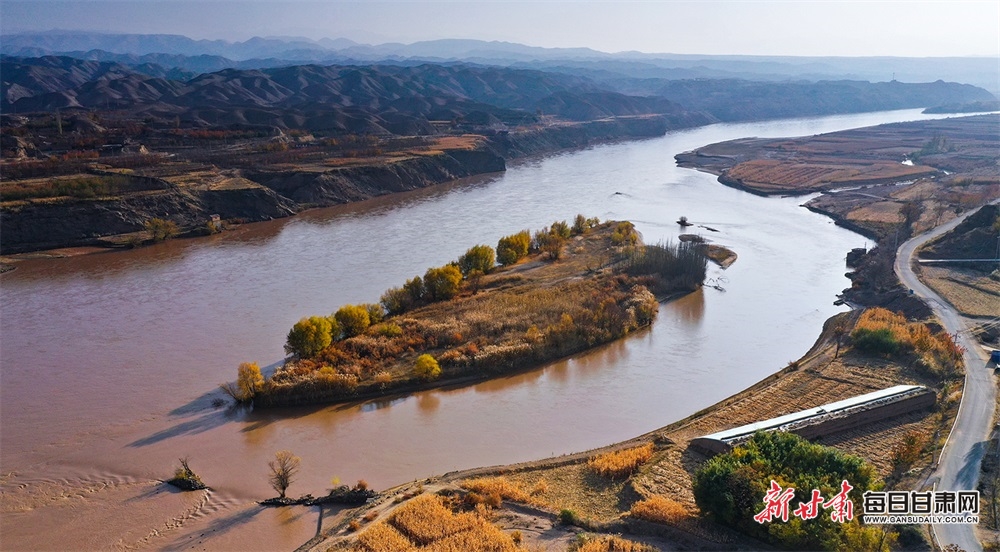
pixel 500 486
pixel 659 509
pixel 611 544
pixel 621 463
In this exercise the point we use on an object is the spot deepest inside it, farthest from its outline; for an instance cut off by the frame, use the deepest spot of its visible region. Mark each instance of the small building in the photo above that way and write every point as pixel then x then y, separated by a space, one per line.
pixel 827 419
pixel 855 255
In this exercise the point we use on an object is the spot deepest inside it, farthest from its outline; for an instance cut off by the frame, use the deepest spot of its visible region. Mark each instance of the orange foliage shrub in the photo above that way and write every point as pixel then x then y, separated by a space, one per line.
pixel 621 463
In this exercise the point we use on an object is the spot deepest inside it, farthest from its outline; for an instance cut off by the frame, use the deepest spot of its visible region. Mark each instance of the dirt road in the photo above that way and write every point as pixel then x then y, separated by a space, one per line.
pixel 958 466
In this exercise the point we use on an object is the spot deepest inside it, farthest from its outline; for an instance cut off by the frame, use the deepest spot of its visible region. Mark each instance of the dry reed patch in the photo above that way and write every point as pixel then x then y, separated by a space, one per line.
pixel 613 544
pixel 882 332
pixel 660 509
pixel 425 523
pixel 382 537
pixel 575 487
pixel 791 175
pixel 425 519
pixel 499 486
pixel 621 463
pixel 969 300
pixel 464 142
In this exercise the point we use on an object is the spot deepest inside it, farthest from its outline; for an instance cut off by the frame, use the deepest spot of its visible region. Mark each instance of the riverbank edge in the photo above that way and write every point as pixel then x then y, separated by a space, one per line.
pixel 452 479
pixel 105 224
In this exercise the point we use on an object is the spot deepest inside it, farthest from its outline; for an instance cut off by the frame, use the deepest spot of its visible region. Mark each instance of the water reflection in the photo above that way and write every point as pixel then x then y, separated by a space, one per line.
pixel 428 402
pixel 689 309
pixel 385 402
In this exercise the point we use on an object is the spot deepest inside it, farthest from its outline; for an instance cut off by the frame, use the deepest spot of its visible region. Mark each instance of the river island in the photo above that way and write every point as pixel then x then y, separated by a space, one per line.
pixel 559 291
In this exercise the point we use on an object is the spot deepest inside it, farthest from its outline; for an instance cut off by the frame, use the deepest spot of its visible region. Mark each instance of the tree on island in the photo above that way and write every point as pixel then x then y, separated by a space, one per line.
pixel 283 469
pixel 311 335
pixel 353 319
pixel 249 381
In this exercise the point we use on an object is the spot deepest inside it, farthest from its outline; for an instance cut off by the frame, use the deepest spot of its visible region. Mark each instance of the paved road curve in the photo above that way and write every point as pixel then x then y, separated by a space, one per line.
pixel 958 467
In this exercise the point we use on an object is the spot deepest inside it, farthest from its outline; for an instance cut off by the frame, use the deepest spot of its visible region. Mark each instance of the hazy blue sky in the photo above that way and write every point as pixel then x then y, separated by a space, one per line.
pixel 790 27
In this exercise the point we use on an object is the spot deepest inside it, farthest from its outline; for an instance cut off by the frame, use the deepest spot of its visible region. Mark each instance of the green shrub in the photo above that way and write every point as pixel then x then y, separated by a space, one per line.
pixel 352 319
pixel 561 229
pixel 513 248
pixel 568 517
pixel 161 229
pixel 442 283
pixel 730 487
pixel 549 242
pixel 376 313
pixel 398 300
pixel 878 341
pixel 414 287
pixel 390 330
pixel 478 257
pixel 625 234
pixel 309 336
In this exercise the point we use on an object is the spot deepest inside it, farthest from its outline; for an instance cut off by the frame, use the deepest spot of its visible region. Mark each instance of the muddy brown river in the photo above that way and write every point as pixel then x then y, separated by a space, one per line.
pixel 109 363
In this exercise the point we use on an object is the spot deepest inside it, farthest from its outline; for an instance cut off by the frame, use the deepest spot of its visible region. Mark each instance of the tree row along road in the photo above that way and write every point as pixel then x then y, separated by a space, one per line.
pixel 959 464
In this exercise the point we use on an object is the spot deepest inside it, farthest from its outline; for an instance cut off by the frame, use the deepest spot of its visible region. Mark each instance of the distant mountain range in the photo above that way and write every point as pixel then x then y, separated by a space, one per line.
pixel 179 57
pixel 339 85
pixel 406 100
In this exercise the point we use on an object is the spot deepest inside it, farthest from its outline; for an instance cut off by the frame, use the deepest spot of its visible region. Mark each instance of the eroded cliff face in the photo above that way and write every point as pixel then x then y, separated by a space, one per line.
pixel 336 186
pixel 33 226
pixel 267 194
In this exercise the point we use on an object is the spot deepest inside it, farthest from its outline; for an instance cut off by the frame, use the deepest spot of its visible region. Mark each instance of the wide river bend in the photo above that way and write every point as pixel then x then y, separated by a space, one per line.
pixel 109 362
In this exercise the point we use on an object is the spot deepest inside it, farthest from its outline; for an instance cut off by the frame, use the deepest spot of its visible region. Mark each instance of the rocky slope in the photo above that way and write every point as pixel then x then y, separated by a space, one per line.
pixel 279 191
